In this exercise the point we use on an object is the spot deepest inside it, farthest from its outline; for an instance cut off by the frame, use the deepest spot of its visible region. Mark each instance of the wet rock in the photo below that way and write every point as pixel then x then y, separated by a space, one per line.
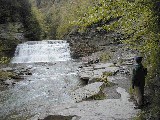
pixel 86 73
pixel 13 83
pixel 22 72
pixel 113 70
pixel 102 65
pixel 107 109
pixel 129 57
pixel 111 92
pixel 90 59
pixel 93 79
pixel 92 73
pixel 9 82
pixel 89 68
pixel 2 79
pixel 8 69
pixel 87 91
pixel 80 67
pixel 127 63
pixel 124 70
pixel 28 73
pixel 17 77
pixel 60 117
pixel 97 73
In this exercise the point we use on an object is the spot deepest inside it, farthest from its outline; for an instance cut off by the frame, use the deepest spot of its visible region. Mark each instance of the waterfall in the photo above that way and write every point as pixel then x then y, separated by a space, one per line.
pixel 42 51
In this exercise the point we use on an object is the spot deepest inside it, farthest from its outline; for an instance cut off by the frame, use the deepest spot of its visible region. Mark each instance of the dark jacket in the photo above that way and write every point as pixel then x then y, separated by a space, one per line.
pixel 138 75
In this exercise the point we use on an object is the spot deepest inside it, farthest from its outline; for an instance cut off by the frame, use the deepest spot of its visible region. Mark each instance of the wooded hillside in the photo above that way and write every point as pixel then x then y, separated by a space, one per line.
pixel 136 21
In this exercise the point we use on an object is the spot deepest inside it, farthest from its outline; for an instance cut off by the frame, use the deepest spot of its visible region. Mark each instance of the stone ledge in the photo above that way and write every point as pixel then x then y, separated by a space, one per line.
pixel 87 91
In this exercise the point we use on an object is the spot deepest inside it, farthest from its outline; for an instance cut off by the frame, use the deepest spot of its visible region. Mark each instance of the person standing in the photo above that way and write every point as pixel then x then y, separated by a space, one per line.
pixel 138 81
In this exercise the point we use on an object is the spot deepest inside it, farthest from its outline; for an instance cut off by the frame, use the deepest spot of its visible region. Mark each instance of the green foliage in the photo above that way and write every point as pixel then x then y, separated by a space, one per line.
pixel 22 11
pixel 59 17
pixel 9 11
pixel 5 75
pixel 39 19
pixel 105 57
pixel 18 16
pixel 100 96
pixel 71 11
pixel 104 77
pixel 138 23
pixel 4 60
pixel 139 116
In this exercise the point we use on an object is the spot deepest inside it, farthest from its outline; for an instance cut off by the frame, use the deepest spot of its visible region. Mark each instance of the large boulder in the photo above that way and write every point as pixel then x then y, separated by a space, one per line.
pixel 59 117
pixel 87 91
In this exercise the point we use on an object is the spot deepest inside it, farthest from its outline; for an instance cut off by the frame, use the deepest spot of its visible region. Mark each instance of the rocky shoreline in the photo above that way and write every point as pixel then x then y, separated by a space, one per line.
pixel 11 75
pixel 105 93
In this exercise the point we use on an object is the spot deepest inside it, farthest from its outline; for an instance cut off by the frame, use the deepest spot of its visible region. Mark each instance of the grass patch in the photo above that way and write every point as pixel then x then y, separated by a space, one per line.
pixel 105 57
pixel 6 75
pixel 104 76
pixel 139 116
pixel 105 80
pixel 100 96
pixel 4 60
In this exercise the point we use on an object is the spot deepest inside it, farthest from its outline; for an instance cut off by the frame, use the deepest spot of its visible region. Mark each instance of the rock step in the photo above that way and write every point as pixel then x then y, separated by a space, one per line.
pixel 102 65
pixel 90 74
pixel 87 91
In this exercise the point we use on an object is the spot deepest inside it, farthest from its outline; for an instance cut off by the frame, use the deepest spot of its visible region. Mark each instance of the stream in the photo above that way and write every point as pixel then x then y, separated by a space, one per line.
pixel 54 75
pixel 49 80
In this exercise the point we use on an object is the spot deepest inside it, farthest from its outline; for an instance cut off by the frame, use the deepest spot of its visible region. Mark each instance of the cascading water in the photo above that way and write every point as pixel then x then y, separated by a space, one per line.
pixel 42 51
pixel 54 76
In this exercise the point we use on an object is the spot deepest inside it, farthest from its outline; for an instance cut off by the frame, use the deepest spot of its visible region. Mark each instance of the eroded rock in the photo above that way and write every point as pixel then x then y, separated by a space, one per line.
pixel 102 65
pixel 60 117
pixel 87 91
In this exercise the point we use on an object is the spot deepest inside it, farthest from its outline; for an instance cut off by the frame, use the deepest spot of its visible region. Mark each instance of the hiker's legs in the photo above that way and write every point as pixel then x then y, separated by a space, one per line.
pixel 139 96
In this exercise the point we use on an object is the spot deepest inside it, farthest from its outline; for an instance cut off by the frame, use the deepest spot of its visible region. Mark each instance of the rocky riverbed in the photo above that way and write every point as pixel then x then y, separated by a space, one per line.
pixel 92 88
pixel 110 78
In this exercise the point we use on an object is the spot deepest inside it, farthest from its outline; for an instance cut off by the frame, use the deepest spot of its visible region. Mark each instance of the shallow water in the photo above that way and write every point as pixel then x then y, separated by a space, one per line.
pixel 50 83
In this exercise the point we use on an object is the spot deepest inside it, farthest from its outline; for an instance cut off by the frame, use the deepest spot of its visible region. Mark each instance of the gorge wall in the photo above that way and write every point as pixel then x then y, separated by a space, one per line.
pixel 17 24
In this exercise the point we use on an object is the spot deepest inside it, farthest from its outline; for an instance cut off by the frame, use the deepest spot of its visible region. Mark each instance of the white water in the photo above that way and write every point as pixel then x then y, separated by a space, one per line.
pixel 42 51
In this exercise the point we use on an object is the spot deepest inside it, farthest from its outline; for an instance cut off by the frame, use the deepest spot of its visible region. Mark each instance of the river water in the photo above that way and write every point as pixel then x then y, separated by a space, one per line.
pixel 54 76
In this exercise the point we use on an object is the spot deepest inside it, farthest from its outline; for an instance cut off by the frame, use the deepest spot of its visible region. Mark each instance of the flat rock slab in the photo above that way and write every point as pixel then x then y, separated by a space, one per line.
pixel 102 65
pixel 99 72
pixel 90 68
pixel 60 117
pixel 87 91
pixel 129 57
pixel 86 75
pixel 108 109
pixel 91 76
pixel 112 69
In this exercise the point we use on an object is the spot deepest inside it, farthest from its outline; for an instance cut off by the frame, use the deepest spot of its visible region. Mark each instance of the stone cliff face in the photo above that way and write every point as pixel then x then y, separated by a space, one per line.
pixel 91 40
pixel 16 25
pixel 11 34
